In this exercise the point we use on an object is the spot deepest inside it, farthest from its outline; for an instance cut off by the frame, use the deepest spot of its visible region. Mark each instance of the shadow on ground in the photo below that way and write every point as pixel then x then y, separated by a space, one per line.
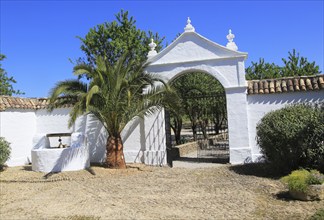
pixel 257 169
pixel 203 160
pixel 27 168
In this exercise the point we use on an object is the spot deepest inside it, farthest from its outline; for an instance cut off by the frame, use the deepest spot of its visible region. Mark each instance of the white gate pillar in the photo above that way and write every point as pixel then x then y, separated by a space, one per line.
pixel 237 117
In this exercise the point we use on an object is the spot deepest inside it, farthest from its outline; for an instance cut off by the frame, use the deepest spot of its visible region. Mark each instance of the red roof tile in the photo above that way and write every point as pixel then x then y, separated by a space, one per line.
pixel 289 84
pixel 9 102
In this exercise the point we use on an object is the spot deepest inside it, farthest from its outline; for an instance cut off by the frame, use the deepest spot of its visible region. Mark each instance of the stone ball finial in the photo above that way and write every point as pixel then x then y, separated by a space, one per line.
pixel 189 27
pixel 231 44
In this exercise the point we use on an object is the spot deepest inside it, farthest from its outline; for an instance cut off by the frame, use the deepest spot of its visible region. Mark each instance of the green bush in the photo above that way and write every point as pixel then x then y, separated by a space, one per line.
pixel 299 180
pixel 4 151
pixel 292 137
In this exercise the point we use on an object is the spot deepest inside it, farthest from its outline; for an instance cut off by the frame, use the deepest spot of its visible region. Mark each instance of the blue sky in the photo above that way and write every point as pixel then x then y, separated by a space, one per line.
pixel 39 37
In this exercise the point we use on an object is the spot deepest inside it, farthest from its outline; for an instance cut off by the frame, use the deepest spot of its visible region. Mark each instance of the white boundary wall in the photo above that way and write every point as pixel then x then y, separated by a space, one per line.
pixel 20 126
pixel 144 139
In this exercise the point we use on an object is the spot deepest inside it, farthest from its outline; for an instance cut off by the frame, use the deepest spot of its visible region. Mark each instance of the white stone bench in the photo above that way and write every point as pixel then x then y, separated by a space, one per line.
pixel 47 159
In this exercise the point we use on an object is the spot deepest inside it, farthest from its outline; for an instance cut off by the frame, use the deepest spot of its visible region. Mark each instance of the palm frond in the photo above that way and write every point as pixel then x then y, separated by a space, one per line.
pixel 68 88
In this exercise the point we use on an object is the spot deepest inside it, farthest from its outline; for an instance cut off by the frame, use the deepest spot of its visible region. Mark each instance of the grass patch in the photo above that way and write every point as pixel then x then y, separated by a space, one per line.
pixel 319 215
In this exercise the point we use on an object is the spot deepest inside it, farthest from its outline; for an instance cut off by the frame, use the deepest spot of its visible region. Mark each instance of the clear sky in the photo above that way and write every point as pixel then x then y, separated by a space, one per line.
pixel 39 37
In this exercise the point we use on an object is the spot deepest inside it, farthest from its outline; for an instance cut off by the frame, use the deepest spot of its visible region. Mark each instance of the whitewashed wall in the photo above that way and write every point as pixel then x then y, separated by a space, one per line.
pixel 260 104
pixel 144 139
pixel 18 127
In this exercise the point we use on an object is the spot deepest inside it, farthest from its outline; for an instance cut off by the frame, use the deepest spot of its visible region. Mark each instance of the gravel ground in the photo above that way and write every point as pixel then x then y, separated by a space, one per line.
pixel 143 192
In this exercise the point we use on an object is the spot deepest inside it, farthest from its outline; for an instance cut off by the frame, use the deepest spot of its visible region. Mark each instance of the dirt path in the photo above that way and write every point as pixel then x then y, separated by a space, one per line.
pixel 143 192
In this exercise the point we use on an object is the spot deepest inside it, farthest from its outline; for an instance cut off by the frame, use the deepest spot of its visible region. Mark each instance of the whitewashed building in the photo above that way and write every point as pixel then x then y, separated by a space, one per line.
pixel 23 119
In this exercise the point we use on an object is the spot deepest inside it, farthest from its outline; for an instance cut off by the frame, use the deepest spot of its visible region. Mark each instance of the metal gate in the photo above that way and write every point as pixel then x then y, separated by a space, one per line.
pixel 210 119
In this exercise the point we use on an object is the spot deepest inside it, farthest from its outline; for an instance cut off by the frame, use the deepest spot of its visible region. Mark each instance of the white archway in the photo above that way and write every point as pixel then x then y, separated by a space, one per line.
pixel 193 52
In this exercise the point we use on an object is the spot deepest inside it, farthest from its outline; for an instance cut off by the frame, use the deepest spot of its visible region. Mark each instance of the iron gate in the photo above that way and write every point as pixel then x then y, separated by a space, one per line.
pixel 208 121
pixel 212 130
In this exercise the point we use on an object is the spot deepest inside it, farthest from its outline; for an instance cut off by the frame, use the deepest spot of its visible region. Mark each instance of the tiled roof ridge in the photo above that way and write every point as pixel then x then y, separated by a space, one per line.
pixel 11 102
pixel 286 84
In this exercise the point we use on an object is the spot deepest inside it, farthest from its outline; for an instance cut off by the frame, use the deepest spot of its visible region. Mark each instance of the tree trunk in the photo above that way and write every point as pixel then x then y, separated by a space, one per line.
pixel 115 155
pixel 176 127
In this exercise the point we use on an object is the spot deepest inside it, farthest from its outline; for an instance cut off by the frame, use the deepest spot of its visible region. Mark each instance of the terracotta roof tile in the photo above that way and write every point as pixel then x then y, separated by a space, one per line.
pixel 289 84
pixel 9 102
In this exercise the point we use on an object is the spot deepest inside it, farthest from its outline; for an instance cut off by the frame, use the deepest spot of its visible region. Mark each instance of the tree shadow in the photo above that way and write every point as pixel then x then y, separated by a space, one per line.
pixel 27 168
pixel 48 175
pixel 284 196
pixel 203 160
pixel 258 170
pixel 91 171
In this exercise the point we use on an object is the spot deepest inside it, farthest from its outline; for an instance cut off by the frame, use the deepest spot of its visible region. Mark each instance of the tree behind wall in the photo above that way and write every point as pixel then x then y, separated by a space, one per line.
pixel 294 65
pixel 201 110
pixel 112 39
pixel 6 87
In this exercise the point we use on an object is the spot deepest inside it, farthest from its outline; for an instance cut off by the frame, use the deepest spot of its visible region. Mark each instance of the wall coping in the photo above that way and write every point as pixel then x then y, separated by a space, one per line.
pixel 287 84
pixel 10 102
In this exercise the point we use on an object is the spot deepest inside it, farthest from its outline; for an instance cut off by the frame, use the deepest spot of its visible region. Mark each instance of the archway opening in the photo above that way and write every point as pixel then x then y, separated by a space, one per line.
pixel 197 125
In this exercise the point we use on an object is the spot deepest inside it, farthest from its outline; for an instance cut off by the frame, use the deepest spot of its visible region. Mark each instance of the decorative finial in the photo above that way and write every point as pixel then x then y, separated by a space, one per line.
pixel 231 44
pixel 152 51
pixel 189 27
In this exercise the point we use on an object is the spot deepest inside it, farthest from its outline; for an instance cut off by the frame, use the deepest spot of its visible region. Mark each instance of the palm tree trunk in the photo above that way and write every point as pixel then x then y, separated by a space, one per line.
pixel 115 155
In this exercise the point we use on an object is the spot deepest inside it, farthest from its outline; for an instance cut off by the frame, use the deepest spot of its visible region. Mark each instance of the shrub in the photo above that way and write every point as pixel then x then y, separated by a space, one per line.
pixel 292 137
pixel 299 180
pixel 4 151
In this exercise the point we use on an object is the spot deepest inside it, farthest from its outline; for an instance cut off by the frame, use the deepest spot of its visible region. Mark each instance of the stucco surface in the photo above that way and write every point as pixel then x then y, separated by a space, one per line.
pixel 18 127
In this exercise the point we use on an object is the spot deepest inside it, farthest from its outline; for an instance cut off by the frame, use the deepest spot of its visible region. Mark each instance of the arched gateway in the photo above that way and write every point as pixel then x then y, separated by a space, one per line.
pixel 193 52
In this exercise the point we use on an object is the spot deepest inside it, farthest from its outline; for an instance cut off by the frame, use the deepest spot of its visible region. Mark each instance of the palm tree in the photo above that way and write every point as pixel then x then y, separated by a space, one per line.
pixel 115 96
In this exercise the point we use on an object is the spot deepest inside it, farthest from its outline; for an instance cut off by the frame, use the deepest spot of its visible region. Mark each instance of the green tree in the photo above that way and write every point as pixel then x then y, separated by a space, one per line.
pixel 294 65
pixel 6 87
pixel 200 111
pixel 114 95
pixel 112 39
pixel 262 70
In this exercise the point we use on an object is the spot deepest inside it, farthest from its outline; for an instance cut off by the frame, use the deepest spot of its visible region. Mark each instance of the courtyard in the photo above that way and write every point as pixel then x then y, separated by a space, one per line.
pixel 186 191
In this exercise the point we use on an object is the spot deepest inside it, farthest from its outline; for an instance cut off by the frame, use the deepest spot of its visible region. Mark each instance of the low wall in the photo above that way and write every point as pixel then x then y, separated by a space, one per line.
pixel 183 149
pixel 143 142
pixel 144 139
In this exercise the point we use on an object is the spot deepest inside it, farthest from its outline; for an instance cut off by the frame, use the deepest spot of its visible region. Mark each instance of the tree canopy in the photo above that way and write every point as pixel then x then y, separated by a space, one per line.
pixel 294 65
pixel 112 39
pixel 202 100
pixel 6 82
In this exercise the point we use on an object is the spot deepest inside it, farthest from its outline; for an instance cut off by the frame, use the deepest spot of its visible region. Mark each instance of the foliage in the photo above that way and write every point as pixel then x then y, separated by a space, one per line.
pixel 5 151
pixel 262 70
pixel 294 65
pixel 6 82
pixel 114 94
pixel 319 215
pixel 292 137
pixel 196 92
pixel 113 39
pixel 299 180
